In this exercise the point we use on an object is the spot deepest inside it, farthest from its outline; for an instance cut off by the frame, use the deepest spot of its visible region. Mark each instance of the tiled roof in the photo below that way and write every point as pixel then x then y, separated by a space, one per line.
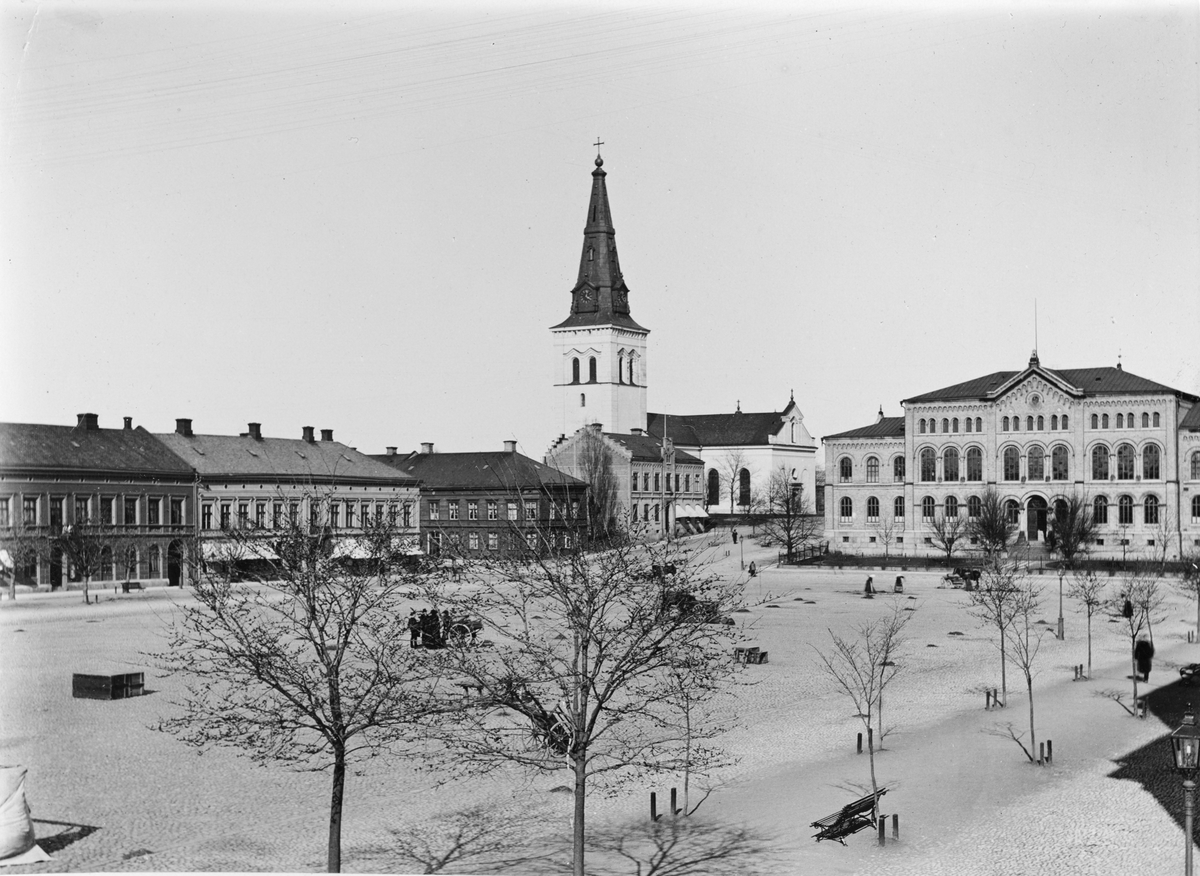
pixel 482 470
pixel 1191 422
pixel 888 427
pixel 716 430
pixel 1088 381
pixel 289 459
pixel 647 447
pixel 74 448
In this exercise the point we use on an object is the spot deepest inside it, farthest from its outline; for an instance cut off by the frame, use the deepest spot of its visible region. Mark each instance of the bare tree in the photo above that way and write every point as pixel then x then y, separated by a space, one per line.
pixel 1189 582
pixel 88 548
pixel 1089 590
pixel 730 465
pixel 946 533
pixel 310 668
pixel 885 532
pixel 1136 608
pixel 995 603
pixel 1165 535
pixel 992 528
pixel 22 547
pixel 863 665
pixel 786 514
pixel 1025 638
pixel 596 468
pixel 586 675
pixel 1072 528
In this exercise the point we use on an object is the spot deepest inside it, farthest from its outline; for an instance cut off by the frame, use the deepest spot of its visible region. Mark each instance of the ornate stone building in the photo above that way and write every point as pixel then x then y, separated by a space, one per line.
pixel 1129 445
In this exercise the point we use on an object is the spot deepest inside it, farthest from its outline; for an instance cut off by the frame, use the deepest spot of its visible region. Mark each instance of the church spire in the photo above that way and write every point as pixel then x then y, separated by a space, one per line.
pixel 600 296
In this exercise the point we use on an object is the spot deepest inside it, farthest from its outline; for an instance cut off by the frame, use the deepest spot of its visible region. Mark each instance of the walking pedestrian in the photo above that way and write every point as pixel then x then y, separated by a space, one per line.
pixel 422 636
pixel 414 629
pixel 1143 653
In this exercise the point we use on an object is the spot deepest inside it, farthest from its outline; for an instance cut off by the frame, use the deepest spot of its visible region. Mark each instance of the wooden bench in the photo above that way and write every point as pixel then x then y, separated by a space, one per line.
pixel 107 685
pixel 130 586
pixel 850 819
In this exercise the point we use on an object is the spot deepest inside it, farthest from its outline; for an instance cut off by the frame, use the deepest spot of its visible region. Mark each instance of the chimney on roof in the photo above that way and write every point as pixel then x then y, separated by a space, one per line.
pixel 183 426
pixel 88 422
pixel 308 434
pixel 326 434
pixel 255 430
pixel 427 447
pixel 391 451
pixel 879 418
pixel 510 446
pixel 129 423
pixel 635 431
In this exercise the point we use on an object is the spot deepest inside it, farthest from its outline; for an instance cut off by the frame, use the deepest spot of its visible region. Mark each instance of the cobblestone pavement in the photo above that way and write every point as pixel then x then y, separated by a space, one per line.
pixel 969 803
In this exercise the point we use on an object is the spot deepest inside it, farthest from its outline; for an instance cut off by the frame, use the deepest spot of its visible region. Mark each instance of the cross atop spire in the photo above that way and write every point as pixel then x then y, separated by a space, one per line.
pixel 598 144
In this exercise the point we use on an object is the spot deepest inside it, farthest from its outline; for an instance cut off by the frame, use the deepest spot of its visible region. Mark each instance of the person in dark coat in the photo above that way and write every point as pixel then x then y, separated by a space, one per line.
pixel 422 628
pixel 869 588
pixel 414 629
pixel 1143 654
pixel 735 536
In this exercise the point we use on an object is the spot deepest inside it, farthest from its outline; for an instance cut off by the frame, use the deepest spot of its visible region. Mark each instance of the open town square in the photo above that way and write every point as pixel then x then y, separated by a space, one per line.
pixel 110 792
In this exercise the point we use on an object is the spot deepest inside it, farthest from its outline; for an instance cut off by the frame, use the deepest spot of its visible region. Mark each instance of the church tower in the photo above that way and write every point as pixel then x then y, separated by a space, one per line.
pixel 599 351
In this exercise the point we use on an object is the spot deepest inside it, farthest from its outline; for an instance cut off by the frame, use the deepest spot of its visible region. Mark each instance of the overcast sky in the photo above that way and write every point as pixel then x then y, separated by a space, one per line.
pixel 366 216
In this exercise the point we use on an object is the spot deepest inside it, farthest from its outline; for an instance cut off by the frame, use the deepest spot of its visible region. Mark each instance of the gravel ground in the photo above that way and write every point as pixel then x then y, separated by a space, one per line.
pixel 109 792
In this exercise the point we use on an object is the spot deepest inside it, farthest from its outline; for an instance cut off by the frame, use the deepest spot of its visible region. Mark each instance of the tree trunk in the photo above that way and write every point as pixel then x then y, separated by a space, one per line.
pixel 580 809
pixel 334 861
pixel 1032 733
pixel 879 717
pixel 871 758
pixel 1133 660
pixel 1089 645
pixel 1003 672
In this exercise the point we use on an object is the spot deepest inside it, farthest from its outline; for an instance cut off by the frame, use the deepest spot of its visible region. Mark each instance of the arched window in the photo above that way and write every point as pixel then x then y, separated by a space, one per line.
pixel 1095 421
pixel 154 562
pixel 898 468
pixel 1104 421
pixel 928 466
pixel 632 373
pixel 945 425
pixel 872 509
pixel 932 426
pixel 591 369
pixel 714 487
pixel 1060 510
pixel 974 464
pixel 1125 510
pixel 1012 464
pixel 1041 423
pixel 951 507
pixel 1120 421
pixel 974 506
pixel 1054 423
pixel 847 509
pixel 1005 427
pixel 845 469
pixel 1129 419
pixel 898 507
pixel 1035 461
pixel 1125 462
pixel 1151 463
pixel 1012 509
pixel 1064 422
pixel 621 368
pixel 872 470
pixel 1145 420
pixel 954 425
pixel 583 399
pixel 1150 507
pixel 1100 463
pixel 1196 465
pixel 1157 421
pixel 969 423
pixel 1029 424
pixel 921 425
pixel 743 487
pixel 950 464
pixel 928 508
pixel 979 424
pixel 1100 509
pixel 575 370
pixel 1060 468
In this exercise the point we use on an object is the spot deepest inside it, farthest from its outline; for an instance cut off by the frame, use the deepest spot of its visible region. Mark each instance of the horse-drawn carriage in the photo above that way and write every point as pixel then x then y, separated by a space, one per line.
pixel 962 578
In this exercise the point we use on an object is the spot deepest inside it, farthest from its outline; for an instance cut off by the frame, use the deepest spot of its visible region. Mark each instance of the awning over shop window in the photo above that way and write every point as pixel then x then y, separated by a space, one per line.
pixel 224 551
pixel 690 511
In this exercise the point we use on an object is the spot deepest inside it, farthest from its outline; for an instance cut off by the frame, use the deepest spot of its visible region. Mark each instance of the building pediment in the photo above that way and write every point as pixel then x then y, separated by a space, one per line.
pixel 1033 389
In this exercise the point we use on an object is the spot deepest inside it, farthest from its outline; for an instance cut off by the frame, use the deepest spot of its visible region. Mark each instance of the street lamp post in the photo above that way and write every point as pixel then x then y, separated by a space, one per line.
pixel 1185 749
pixel 1061 634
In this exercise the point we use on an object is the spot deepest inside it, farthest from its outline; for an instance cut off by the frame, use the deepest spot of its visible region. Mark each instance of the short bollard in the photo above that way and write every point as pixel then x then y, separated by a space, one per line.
pixel 882 829
pixel 895 825
pixel 1049 751
pixel 860 743
pixel 1041 754
pixel 987 700
pixel 870 739
pixel 653 806
pixel 996 697
pixel 674 810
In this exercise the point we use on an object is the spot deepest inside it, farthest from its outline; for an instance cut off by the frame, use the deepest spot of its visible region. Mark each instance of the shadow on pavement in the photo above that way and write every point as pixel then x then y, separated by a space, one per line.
pixel 56 840
pixel 1152 766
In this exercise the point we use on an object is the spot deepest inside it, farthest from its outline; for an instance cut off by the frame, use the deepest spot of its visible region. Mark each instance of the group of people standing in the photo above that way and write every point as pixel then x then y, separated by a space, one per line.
pixel 428 629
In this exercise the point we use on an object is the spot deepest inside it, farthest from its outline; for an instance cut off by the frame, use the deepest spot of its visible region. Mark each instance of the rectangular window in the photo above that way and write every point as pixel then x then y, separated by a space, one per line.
pixel 56 512
pixel 350 506
pixel 472 510
pixel 335 516
pixel 435 509
pixel 81 510
pixel 393 509
pixel 366 514
pixel 687 483
pixel 106 510
pixel 531 540
pixel 4 518
pixel 657 481
pixel 276 515
pixel 633 512
pixel 131 517
pixel 899 539
pixel 493 541
pixel 243 514
pixel 512 510
pixel 493 513
pixel 379 511
pixel 531 509
pixel 473 541
pixel 225 514
pixel 177 512
pixel 645 482
pixel 314 515
pixel 294 514
pixel 29 511
pixel 153 511
pixel 407 519
pixel 206 516
pixel 676 483
pixel 452 509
